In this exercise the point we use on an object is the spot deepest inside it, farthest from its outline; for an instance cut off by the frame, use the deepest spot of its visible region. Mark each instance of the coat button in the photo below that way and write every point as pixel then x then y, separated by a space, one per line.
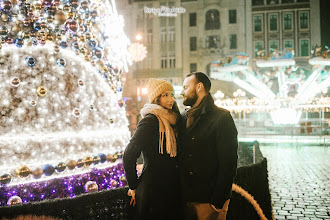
pixel 191 173
pixel 193 138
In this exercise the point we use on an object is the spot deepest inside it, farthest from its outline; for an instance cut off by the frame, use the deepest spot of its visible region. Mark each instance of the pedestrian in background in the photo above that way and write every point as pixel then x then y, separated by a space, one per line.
pixel 155 194
pixel 208 154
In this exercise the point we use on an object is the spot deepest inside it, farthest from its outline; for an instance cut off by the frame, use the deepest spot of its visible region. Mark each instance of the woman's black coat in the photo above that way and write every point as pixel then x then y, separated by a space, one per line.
pixel 157 189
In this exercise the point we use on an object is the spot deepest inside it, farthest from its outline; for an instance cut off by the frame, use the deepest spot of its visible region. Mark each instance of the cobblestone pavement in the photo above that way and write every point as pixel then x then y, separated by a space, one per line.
pixel 299 180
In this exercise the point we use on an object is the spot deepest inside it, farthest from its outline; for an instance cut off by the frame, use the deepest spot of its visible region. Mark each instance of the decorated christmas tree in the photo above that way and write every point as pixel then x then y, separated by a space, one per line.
pixel 63 122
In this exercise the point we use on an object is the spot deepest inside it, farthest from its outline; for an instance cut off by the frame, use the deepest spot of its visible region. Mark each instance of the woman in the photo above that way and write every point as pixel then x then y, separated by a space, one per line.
pixel 155 194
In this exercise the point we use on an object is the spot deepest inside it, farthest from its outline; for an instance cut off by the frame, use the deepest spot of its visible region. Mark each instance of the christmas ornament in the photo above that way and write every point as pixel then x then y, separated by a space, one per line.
pixel 97 53
pixel 76 112
pixel 103 157
pixel 5 178
pixel 3 31
pixel 36 26
pixel 6 6
pixel 113 183
pixel 91 187
pixel 71 164
pixel 88 160
pixel 33 103
pixel 80 82
pixel 71 26
pixel 80 163
pixel 15 82
pixel 91 107
pixel 19 42
pixel 61 62
pixel 23 171
pixel 123 179
pixel 48 169
pixel 96 159
pixel 14 200
pixel 64 44
pixel 112 158
pixel 60 167
pixel 60 17
pixel 41 91
pixel 37 173
pixel 56 49
pixel 111 120
pixel 30 61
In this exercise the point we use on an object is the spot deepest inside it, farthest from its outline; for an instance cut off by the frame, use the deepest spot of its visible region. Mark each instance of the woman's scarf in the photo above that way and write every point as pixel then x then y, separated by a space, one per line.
pixel 166 119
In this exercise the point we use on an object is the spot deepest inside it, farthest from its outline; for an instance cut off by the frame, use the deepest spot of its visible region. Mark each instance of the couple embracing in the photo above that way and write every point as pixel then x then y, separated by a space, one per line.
pixel 190 159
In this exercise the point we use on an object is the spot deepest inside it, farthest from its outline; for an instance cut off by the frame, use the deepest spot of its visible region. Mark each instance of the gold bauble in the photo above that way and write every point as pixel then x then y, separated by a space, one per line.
pixel 37 6
pixel 43 42
pixel 113 183
pixel 23 171
pixel 82 38
pixel 87 58
pixel 41 91
pixel 88 161
pixel 112 158
pixel 70 15
pixel 83 50
pixel 50 37
pixel 50 19
pixel 88 36
pixel 37 173
pixel 59 37
pixel 33 34
pixel 26 35
pixel 80 163
pixel 71 164
pixel 66 8
pixel 60 17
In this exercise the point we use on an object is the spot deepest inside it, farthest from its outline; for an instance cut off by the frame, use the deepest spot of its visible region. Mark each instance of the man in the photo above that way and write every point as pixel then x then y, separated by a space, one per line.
pixel 208 154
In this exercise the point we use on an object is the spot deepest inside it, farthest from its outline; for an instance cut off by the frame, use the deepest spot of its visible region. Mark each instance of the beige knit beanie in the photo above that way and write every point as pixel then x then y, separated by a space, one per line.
pixel 156 87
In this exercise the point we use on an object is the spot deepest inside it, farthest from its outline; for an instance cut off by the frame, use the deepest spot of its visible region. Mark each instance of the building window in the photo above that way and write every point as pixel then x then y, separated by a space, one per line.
pixel 163 34
pixel 149 36
pixel 233 41
pixel 163 61
pixel 171 60
pixel 287 20
pixel 288 43
pixel 212 19
pixel 304 48
pixel 212 42
pixel 232 16
pixel 193 43
pixel 257 2
pixel 273 45
pixel 193 67
pixel 258 45
pixel 287 1
pixel 303 21
pixel 257 23
pixel 171 34
pixel 273 22
pixel 272 2
pixel 192 19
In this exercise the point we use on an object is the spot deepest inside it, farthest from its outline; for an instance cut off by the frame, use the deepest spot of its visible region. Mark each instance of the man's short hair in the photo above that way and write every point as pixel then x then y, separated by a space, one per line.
pixel 203 78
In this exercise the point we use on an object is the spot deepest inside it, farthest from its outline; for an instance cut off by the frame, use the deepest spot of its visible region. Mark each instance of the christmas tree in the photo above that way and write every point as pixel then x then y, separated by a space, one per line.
pixel 61 103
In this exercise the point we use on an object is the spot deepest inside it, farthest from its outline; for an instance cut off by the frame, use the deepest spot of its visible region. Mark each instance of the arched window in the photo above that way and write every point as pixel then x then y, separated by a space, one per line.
pixel 212 19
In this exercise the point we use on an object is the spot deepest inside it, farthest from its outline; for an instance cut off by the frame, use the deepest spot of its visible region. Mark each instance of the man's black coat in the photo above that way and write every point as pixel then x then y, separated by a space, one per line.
pixel 208 156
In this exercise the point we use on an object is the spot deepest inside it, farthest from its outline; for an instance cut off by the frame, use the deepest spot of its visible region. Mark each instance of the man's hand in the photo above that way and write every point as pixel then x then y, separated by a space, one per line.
pixel 132 193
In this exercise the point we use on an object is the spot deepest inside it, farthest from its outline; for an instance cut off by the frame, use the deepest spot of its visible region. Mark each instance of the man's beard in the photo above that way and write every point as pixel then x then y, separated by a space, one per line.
pixel 191 99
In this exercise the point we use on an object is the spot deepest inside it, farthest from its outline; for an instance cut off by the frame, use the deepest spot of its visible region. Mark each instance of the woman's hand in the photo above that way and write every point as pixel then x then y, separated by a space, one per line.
pixel 132 193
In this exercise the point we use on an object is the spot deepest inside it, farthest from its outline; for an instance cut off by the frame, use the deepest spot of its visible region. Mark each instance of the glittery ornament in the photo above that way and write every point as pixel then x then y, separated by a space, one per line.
pixel 37 6
pixel 5 178
pixel 26 35
pixel 50 19
pixel 50 37
pixel 50 11
pixel 19 42
pixel 80 82
pixel 3 31
pixel 94 14
pixel 63 44
pixel 112 158
pixel 88 160
pixel 30 61
pixel 48 169
pixel 15 82
pixel 96 160
pixel 91 107
pixel 76 112
pixel 84 6
pixel 91 187
pixel 88 36
pixel 37 173
pixel 41 91
pixel 97 53
pixel 83 50
pixel 113 183
pixel 71 26
pixel 71 164
pixel 123 179
pixel 80 163
pixel 26 22
pixel 120 103
pixel 66 8
pixel 61 62
pixel 23 171
pixel 60 167
pixel 6 5
pixel 82 38
pixel 33 103
pixel 111 120
pixel 14 200
pixel 9 40
pixel 87 58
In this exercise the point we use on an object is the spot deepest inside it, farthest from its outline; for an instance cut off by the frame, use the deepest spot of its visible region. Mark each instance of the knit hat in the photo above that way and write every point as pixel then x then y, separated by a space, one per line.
pixel 156 87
